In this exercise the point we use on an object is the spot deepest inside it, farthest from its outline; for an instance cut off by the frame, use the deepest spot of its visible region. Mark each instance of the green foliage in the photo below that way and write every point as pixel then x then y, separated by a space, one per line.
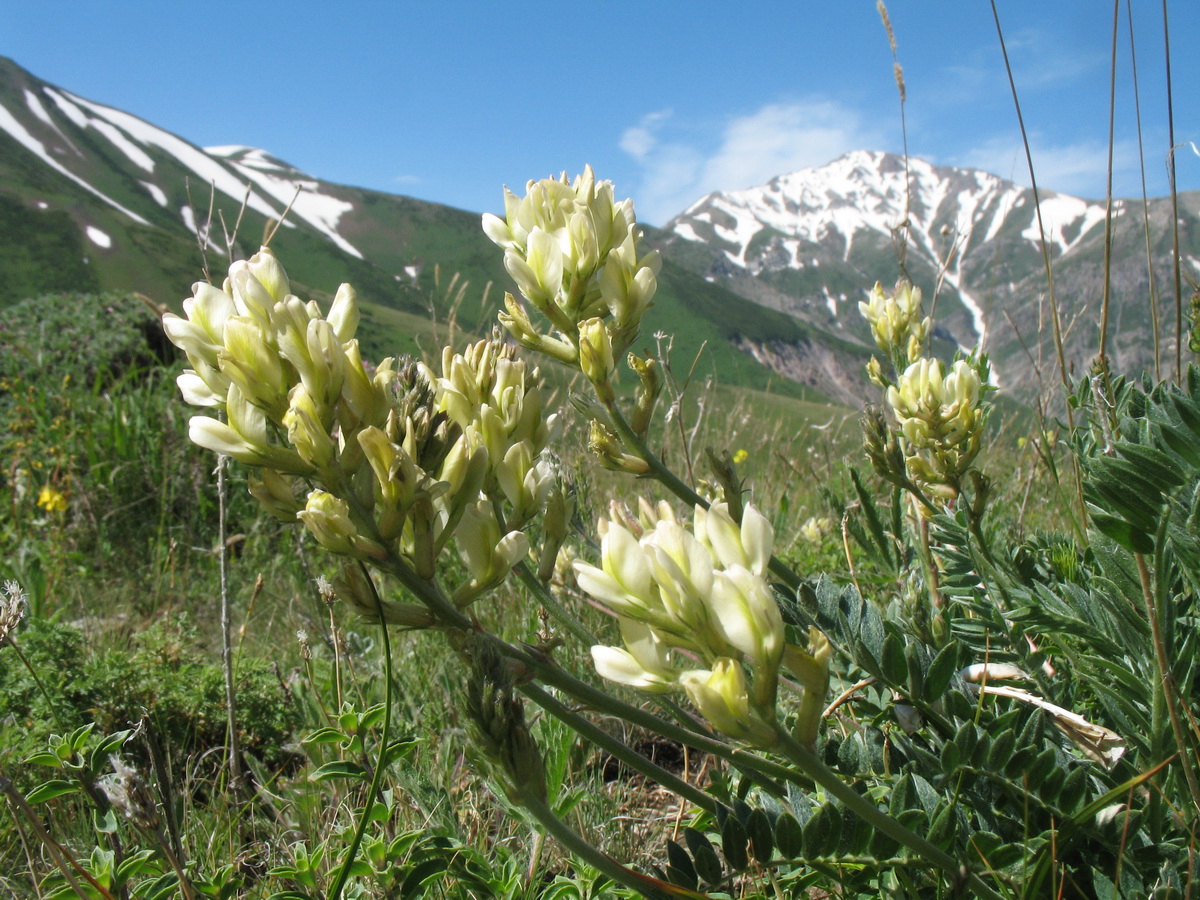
pixel 43 252
pixel 167 679
pixel 83 337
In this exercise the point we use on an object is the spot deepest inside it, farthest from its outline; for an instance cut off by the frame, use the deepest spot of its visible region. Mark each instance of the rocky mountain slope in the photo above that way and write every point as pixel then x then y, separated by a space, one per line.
pixel 812 242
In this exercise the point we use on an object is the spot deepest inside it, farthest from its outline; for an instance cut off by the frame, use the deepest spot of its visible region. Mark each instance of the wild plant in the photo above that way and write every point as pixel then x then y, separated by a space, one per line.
pixel 878 743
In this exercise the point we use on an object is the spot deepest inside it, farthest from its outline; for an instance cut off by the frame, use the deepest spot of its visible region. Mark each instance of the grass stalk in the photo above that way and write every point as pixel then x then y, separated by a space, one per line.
pixel 1155 324
pixel 235 750
pixel 1055 321
pixel 1175 257
pixel 1108 193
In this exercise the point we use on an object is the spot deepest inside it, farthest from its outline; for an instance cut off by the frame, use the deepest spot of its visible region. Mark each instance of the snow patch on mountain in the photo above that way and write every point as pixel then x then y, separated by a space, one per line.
pixel 82 120
pixel 18 132
pixel 98 237
pixel 207 169
pixel 281 181
pixel 155 191
pixel 1062 214
pixel 944 214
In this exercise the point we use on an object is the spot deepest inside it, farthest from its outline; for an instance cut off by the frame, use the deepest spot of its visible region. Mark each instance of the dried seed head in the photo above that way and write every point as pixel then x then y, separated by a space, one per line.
pixel 12 609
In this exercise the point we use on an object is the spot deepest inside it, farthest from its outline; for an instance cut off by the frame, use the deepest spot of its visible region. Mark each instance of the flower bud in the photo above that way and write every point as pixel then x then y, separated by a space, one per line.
pixel 720 696
pixel 250 360
pixel 275 493
pixel 268 272
pixel 305 431
pixel 343 315
pixel 328 519
pixel 612 455
pixel 811 669
pixel 596 357
pixel 488 556
pixel 650 385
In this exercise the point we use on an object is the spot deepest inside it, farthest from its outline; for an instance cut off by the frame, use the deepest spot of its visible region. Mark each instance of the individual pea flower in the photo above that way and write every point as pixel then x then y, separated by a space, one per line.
pixel 307 431
pixel 721 695
pixel 643 663
pixel 650 385
pixel 488 555
pixel 353 586
pixel 611 453
pixel 328 519
pixel 276 493
pixel 525 482
pixel 556 524
pixel 896 322
pixel 201 336
pixel 748 615
pixel 747 545
pixel 623 582
pixel 251 360
pixel 246 437
pixel 596 357
pixel 810 667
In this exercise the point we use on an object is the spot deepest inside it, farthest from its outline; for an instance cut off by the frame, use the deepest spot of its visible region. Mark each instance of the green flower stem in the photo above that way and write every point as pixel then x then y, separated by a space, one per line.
pixel 625 754
pixel 335 892
pixel 558 677
pixel 573 625
pixel 554 675
pixel 807 761
pixel 560 613
pixel 541 811
pixel 672 482
pixel 37 679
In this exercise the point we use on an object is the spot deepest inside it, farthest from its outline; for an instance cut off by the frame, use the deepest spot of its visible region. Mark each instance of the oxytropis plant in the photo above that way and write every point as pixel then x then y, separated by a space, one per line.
pixel 398 468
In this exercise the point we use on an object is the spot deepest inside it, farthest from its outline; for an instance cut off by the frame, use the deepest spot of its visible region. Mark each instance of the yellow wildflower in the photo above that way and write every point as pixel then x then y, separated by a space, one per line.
pixel 51 499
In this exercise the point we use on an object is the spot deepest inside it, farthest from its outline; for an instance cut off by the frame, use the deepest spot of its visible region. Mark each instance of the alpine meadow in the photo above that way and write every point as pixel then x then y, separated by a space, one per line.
pixel 839 538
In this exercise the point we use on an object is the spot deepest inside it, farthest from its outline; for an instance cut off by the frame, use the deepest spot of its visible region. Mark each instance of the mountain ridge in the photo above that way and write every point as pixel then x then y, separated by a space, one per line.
pixel 766 279
pixel 112 190
pixel 813 241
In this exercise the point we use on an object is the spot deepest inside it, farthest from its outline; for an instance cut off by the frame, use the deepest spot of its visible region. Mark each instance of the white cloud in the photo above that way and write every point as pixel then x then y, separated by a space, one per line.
pixel 639 140
pixel 407 179
pixel 750 150
pixel 1080 169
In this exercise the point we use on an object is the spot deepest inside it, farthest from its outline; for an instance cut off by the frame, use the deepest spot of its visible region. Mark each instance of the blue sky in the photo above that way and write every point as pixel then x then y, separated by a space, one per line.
pixel 448 101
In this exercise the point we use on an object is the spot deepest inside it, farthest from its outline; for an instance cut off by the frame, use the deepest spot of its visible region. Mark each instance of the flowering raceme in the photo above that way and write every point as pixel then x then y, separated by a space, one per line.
pixel 896 322
pixel 381 465
pixel 941 416
pixel 574 255
pixel 702 591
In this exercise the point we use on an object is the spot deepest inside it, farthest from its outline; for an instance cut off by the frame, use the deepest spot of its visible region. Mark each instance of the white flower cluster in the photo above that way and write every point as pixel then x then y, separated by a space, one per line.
pixel 896 322
pixel 574 255
pixel 696 613
pixel 375 464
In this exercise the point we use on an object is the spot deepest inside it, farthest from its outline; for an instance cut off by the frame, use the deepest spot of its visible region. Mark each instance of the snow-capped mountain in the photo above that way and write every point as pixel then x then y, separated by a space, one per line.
pixel 814 241
pixel 766 279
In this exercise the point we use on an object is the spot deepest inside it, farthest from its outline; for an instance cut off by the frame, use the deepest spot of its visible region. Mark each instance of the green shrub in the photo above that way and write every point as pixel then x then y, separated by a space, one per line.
pixel 166 676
